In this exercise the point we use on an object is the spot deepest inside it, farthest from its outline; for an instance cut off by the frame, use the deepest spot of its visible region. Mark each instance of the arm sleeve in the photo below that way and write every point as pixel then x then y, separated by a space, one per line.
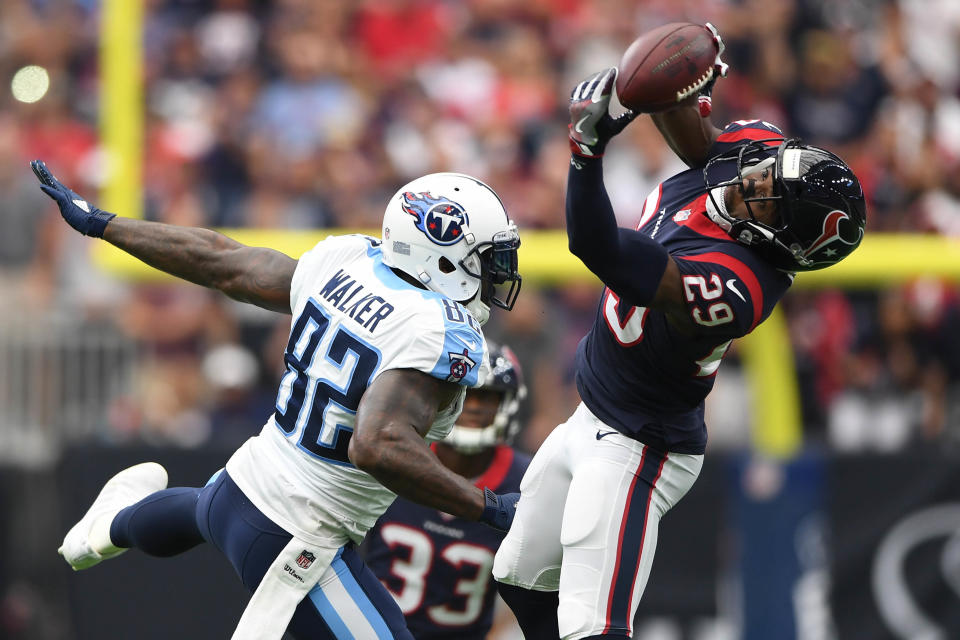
pixel 628 262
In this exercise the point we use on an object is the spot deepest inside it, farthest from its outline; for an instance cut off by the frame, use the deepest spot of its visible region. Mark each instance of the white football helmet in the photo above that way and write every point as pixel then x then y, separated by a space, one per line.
pixel 451 232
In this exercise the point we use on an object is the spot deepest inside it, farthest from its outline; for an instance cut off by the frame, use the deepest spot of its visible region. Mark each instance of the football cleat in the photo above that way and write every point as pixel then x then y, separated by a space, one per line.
pixel 122 490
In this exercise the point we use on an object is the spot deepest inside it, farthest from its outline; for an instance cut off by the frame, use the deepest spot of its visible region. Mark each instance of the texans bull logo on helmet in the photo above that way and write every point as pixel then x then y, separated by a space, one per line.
pixel 832 233
pixel 442 220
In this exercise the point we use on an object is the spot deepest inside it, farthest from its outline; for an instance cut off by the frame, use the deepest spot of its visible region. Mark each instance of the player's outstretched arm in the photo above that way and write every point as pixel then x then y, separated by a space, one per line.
pixel 633 265
pixel 688 129
pixel 396 411
pixel 256 275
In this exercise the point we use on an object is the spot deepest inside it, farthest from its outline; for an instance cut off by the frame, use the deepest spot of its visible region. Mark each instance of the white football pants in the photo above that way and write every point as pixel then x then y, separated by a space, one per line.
pixel 587 522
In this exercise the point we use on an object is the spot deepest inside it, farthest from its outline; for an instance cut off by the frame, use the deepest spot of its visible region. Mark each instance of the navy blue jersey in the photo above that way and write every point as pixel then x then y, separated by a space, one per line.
pixel 635 370
pixel 438 567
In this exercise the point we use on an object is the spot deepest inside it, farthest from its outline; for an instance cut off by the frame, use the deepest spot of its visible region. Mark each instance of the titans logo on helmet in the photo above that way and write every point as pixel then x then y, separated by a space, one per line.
pixel 442 220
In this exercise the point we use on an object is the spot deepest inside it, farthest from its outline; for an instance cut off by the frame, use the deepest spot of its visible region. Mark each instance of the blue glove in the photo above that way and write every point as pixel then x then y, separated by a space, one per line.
pixel 499 510
pixel 78 213
pixel 591 125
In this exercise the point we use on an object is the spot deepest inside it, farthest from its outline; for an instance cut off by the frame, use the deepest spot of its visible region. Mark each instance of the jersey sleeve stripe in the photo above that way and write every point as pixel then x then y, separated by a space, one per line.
pixel 650 205
pixel 750 133
pixel 699 222
pixel 743 272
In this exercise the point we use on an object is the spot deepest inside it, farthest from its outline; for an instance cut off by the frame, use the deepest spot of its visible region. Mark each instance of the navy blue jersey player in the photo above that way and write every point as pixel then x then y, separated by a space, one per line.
pixel 717 246
pixel 665 364
pixel 438 566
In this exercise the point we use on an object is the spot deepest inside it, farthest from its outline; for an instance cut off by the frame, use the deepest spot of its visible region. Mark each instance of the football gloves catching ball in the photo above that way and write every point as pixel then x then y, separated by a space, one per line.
pixel 78 213
pixel 591 125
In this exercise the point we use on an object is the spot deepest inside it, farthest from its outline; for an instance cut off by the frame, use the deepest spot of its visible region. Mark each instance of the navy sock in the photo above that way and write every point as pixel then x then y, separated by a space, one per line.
pixel 536 611
pixel 162 524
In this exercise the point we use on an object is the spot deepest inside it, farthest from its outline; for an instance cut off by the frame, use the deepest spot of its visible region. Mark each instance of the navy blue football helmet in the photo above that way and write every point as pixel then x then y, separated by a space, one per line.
pixel 822 211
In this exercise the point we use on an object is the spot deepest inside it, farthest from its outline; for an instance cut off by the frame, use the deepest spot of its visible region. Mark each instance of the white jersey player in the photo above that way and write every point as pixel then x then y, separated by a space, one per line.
pixel 355 318
pixel 384 338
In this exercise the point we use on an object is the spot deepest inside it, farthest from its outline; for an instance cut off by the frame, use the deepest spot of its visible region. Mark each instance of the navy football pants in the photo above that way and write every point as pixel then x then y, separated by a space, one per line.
pixel 174 520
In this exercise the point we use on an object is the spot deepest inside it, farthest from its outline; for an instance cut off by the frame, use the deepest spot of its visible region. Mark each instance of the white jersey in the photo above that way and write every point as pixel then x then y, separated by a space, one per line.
pixel 353 319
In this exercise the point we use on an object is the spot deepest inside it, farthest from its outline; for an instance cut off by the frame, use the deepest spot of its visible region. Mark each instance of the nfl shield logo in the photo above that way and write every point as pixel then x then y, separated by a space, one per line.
pixel 306 559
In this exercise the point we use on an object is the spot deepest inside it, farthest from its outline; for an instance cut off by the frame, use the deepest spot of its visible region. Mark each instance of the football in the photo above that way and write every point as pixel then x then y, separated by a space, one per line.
pixel 665 66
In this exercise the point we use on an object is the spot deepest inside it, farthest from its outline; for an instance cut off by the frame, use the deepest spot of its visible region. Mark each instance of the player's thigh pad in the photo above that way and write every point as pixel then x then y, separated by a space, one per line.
pixel 619 491
pixel 530 554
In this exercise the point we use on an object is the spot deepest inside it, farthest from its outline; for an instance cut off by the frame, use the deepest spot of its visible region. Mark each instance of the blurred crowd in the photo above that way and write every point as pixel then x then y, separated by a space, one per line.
pixel 303 114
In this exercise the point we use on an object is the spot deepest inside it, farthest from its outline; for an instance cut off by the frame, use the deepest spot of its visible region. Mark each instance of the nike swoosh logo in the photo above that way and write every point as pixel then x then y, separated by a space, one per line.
pixel 731 284
pixel 605 434
pixel 577 127
pixel 470 344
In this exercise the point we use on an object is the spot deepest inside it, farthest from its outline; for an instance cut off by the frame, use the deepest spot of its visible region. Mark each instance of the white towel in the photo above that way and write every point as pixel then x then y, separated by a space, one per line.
pixel 287 581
